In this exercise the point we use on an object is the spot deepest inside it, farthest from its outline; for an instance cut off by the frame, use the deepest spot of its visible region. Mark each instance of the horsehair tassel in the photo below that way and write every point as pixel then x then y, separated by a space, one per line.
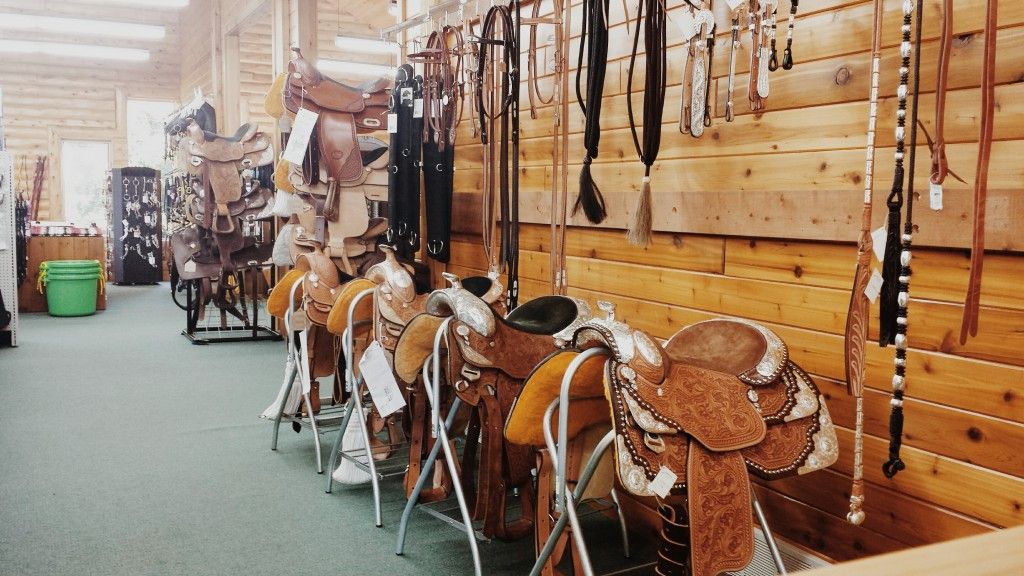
pixel 640 229
pixel 590 198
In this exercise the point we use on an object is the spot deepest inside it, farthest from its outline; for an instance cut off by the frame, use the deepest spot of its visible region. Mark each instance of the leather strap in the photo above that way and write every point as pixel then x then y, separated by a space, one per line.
pixel 972 301
pixel 940 166
pixel 858 316
pixel 594 35
pixel 497 100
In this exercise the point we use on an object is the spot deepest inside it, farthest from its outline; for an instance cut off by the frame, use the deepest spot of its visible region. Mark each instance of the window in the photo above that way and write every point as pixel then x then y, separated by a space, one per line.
pixel 146 132
pixel 84 165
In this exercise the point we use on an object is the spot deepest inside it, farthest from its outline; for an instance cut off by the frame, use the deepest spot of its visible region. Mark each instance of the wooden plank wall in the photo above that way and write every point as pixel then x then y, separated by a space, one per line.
pixel 256 71
pixel 965 406
pixel 195 49
pixel 47 98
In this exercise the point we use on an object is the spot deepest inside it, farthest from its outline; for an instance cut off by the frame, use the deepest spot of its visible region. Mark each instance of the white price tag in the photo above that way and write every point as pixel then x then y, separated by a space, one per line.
pixel 874 287
pixel 302 130
pixel 417 108
pixel 878 243
pixel 380 380
pixel 190 266
pixel 935 196
pixel 663 482
pixel 686 23
pixel 392 123
pixel 734 4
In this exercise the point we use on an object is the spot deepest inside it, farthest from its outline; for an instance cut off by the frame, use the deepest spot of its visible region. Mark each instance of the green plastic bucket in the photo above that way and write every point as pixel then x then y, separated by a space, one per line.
pixel 71 286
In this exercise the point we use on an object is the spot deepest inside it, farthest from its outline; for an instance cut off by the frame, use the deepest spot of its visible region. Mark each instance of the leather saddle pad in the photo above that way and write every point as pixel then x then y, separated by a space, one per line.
pixel 277 302
pixel 337 320
pixel 543 385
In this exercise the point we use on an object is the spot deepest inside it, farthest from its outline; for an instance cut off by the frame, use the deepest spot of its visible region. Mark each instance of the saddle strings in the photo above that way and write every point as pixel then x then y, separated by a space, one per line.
pixel 858 316
pixel 594 37
pixel 894 465
pixel 655 42
pixel 972 300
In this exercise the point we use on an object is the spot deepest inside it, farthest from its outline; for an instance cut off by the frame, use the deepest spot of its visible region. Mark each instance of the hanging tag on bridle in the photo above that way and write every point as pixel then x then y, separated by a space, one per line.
pixel 878 242
pixel 935 196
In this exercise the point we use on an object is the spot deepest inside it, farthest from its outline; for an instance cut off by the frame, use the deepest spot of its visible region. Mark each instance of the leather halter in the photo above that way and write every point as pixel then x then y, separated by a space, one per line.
pixel 497 103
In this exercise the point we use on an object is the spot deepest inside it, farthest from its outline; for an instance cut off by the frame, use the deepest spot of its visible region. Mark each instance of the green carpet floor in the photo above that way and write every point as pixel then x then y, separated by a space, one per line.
pixel 126 450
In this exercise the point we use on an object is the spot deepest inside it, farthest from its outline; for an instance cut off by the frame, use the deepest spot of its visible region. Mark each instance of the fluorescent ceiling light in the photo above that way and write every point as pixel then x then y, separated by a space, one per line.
pixel 355 68
pixel 79 26
pixel 365 45
pixel 74 50
pixel 150 3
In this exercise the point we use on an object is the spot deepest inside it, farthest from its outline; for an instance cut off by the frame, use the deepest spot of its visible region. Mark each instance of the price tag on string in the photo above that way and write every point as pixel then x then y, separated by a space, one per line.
pixel 935 196
pixel 663 482
pixel 380 380
pixel 734 4
pixel 417 108
pixel 392 123
pixel 302 131
pixel 687 24
pixel 878 243
pixel 874 287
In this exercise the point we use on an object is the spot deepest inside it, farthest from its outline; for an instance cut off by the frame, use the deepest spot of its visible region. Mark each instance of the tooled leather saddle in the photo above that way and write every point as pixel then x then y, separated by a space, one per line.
pixel 720 399
pixel 488 357
pixel 343 113
pixel 229 204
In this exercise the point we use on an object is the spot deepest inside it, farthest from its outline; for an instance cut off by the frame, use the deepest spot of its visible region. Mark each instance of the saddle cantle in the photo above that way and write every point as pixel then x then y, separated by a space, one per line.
pixel 720 399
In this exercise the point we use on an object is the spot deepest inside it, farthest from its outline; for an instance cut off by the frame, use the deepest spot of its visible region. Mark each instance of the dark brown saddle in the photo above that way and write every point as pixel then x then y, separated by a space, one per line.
pixel 488 356
pixel 343 113
pixel 720 399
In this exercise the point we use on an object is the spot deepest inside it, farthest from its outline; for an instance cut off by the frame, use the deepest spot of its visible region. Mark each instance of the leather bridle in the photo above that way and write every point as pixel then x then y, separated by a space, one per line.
pixel 497 103
pixel 441 103
pixel 560 19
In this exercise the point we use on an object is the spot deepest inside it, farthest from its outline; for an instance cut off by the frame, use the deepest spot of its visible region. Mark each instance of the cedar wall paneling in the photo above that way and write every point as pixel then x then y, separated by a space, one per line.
pixel 47 98
pixel 196 66
pixel 758 184
pixel 255 71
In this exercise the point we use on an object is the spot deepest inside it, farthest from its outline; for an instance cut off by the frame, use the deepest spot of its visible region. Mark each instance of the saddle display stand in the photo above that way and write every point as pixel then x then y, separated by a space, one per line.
pixel 250 330
pixel 431 374
pixel 376 471
pixel 297 326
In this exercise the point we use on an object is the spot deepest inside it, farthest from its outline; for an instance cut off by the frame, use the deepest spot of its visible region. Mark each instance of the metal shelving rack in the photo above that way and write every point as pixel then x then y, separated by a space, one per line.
pixel 8 252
